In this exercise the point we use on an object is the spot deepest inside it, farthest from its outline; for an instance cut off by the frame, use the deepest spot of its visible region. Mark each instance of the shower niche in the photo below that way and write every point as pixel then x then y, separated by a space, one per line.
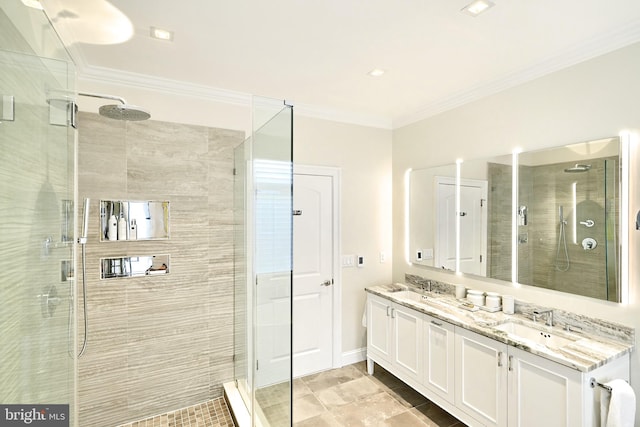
pixel 122 220
pixel 134 266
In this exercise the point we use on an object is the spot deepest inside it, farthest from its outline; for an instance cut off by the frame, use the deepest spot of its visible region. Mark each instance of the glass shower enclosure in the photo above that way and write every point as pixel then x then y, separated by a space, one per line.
pixel 263 265
pixel 37 163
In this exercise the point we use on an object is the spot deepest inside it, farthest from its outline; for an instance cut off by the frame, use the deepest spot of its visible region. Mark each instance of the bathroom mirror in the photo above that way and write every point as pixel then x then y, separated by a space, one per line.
pixel 568 218
pixel 567 215
pixel 431 204
pixel 134 220
pixel 134 266
pixel 485 217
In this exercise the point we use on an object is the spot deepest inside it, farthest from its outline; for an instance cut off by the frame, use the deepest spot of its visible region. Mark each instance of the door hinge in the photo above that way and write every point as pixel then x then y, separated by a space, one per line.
pixel 257 365
pixel 482 202
pixel 297 212
pixel 235 171
pixel 256 280
pixel 480 258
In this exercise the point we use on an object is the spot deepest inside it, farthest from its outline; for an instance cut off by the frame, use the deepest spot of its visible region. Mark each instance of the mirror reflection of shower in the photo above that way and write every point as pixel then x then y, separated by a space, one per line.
pixel 562 254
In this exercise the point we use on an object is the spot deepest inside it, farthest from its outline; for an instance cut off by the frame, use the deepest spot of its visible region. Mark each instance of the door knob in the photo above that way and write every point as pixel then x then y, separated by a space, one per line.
pixel 326 283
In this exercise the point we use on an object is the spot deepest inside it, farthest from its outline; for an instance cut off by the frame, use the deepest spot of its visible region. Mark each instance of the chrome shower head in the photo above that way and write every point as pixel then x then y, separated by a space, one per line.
pixel 578 168
pixel 124 112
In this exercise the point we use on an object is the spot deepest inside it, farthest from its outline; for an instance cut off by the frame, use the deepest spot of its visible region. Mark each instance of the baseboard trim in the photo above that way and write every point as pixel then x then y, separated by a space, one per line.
pixel 354 356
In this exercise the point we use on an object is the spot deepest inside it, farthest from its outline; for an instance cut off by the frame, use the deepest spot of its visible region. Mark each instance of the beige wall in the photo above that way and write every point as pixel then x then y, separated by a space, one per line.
pixel 592 100
pixel 364 157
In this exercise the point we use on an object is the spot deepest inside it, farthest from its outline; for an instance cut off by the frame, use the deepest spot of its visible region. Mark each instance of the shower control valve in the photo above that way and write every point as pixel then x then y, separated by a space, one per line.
pixel 588 223
pixel 589 244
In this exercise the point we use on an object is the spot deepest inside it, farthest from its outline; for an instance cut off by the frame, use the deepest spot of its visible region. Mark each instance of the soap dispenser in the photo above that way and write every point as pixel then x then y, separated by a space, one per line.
pixel 122 228
pixel 133 229
pixel 112 228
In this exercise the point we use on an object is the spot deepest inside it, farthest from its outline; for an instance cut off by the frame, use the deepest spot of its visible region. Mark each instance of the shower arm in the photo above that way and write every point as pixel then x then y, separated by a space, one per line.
pixel 103 96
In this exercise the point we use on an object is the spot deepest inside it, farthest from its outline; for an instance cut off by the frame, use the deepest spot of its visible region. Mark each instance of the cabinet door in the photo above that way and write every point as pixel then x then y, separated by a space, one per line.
pixel 379 327
pixel 481 377
pixel 407 340
pixel 542 393
pixel 438 359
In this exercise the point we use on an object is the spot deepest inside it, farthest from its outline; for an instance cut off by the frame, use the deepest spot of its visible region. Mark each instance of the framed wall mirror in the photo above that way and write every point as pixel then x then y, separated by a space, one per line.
pixel 564 224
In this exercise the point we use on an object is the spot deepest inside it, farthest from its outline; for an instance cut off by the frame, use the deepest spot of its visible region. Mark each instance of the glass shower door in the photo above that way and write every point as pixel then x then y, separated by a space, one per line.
pixel 36 219
pixel 263 265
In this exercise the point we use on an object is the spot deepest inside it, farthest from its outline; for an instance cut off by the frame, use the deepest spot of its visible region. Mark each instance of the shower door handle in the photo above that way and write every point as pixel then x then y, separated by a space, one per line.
pixel 327 283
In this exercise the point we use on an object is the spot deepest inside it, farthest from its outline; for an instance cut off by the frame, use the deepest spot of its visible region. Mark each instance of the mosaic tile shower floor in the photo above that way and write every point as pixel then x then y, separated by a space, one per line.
pixel 213 413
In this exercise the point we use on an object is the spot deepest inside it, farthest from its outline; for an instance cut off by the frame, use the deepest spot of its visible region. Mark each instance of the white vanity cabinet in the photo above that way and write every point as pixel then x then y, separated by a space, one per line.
pixel 394 336
pixel 438 357
pixel 479 380
pixel 542 393
pixel 481 377
pixel 501 385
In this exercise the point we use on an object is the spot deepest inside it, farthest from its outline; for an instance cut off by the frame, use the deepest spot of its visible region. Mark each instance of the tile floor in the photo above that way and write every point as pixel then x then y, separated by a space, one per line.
pixel 213 413
pixel 340 397
pixel 350 397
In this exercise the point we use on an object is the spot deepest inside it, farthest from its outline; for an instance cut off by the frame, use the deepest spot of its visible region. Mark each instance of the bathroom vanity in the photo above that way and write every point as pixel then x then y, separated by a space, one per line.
pixel 493 369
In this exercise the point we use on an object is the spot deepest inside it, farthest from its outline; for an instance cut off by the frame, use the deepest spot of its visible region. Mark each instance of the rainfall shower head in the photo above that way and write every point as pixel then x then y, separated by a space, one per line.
pixel 578 168
pixel 122 111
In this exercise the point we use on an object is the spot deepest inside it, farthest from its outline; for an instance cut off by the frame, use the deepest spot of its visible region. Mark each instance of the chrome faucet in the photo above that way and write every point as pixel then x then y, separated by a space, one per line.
pixel 426 287
pixel 549 314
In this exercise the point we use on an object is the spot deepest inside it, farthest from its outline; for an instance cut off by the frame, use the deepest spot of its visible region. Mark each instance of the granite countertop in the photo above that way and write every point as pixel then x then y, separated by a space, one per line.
pixel 586 352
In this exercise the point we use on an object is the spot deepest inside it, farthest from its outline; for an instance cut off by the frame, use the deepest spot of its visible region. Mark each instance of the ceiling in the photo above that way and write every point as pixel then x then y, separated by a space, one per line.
pixel 317 54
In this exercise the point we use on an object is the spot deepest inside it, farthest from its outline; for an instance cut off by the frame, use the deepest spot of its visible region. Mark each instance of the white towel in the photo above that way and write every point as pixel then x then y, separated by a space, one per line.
pixel 618 408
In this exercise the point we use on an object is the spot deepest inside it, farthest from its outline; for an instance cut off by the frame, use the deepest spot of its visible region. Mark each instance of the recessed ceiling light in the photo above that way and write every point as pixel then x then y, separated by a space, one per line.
pixel 476 7
pixel 376 72
pixel 160 34
pixel 32 3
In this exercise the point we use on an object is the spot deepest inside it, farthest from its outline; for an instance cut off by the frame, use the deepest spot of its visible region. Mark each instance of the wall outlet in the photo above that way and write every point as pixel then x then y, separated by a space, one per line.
pixel 383 256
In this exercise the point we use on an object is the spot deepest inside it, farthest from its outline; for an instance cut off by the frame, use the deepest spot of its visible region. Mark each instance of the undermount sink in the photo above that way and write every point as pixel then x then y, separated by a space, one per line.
pixel 416 297
pixel 538 335
pixel 411 296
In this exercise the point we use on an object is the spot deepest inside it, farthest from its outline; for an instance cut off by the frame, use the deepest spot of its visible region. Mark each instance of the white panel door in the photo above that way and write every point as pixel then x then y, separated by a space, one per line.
pixel 473 227
pixel 445 247
pixel 312 274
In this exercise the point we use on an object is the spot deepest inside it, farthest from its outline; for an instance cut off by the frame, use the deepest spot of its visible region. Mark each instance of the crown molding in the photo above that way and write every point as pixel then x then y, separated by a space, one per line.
pixel 622 37
pixel 95 74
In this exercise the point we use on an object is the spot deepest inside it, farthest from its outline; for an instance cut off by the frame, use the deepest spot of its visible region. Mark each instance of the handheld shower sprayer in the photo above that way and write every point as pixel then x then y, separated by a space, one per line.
pixel 82 240
pixel 85 222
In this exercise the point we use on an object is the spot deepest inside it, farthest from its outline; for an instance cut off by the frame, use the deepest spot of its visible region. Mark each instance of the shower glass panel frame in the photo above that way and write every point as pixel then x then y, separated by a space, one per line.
pixel 37 168
pixel 263 190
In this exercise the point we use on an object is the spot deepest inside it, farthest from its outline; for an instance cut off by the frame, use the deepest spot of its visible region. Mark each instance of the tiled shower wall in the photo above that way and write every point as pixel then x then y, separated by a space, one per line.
pixel 158 343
